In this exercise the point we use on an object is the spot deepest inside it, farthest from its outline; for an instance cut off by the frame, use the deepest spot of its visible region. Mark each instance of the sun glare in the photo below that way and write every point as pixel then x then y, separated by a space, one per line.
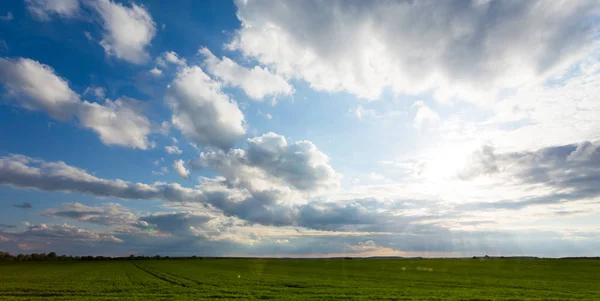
pixel 443 164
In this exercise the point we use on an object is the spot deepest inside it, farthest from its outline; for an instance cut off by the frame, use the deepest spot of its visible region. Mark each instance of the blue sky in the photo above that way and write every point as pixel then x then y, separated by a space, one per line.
pixel 299 128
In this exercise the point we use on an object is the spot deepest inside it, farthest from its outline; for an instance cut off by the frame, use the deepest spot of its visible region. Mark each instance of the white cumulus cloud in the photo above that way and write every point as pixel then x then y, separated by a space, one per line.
pixel 173 58
pixel 270 160
pixel 173 149
pixel 127 30
pixel 118 122
pixel 179 168
pixel 35 86
pixel 156 72
pixel 202 112
pixel 257 82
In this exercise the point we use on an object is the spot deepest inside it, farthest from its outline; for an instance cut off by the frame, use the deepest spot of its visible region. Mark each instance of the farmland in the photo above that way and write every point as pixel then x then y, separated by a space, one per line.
pixel 393 279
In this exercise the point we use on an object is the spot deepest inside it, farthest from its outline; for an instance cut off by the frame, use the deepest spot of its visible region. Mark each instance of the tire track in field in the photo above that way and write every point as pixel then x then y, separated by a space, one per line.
pixel 181 277
pixel 161 277
pixel 190 279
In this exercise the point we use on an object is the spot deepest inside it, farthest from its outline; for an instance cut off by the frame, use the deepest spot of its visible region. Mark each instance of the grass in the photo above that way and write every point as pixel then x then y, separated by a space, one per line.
pixel 388 279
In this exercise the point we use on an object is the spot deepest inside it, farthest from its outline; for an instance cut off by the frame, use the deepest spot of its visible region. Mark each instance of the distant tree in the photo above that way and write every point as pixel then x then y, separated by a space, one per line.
pixel 52 256
pixel 5 256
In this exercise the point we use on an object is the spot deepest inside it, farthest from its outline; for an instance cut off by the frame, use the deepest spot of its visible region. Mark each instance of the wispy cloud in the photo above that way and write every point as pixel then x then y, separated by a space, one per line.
pixel 24 205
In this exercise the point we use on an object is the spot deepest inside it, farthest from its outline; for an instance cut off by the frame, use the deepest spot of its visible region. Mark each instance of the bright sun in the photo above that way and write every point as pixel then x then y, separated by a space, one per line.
pixel 444 162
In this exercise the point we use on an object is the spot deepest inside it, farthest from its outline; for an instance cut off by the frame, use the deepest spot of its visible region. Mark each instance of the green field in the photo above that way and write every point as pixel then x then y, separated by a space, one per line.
pixel 393 279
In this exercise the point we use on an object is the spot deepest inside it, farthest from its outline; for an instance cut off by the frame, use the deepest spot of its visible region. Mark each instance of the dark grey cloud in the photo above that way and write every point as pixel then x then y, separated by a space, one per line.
pixel 187 224
pixel 266 207
pixel 123 220
pixel 337 216
pixel 45 233
pixel 177 233
pixel 314 215
pixel 574 165
pixel 369 215
pixel 110 214
pixel 24 172
pixel 24 205
pixel 260 207
pixel 206 234
pixel 483 162
pixel 569 212
pixel 5 226
pixel 62 239
pixel 573 171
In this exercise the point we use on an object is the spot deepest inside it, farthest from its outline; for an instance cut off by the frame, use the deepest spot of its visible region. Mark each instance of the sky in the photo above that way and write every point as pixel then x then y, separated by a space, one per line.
pixel 300 128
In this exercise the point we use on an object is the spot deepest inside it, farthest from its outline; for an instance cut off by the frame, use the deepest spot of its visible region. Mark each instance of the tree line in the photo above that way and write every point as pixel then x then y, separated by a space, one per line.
pixel 7 257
